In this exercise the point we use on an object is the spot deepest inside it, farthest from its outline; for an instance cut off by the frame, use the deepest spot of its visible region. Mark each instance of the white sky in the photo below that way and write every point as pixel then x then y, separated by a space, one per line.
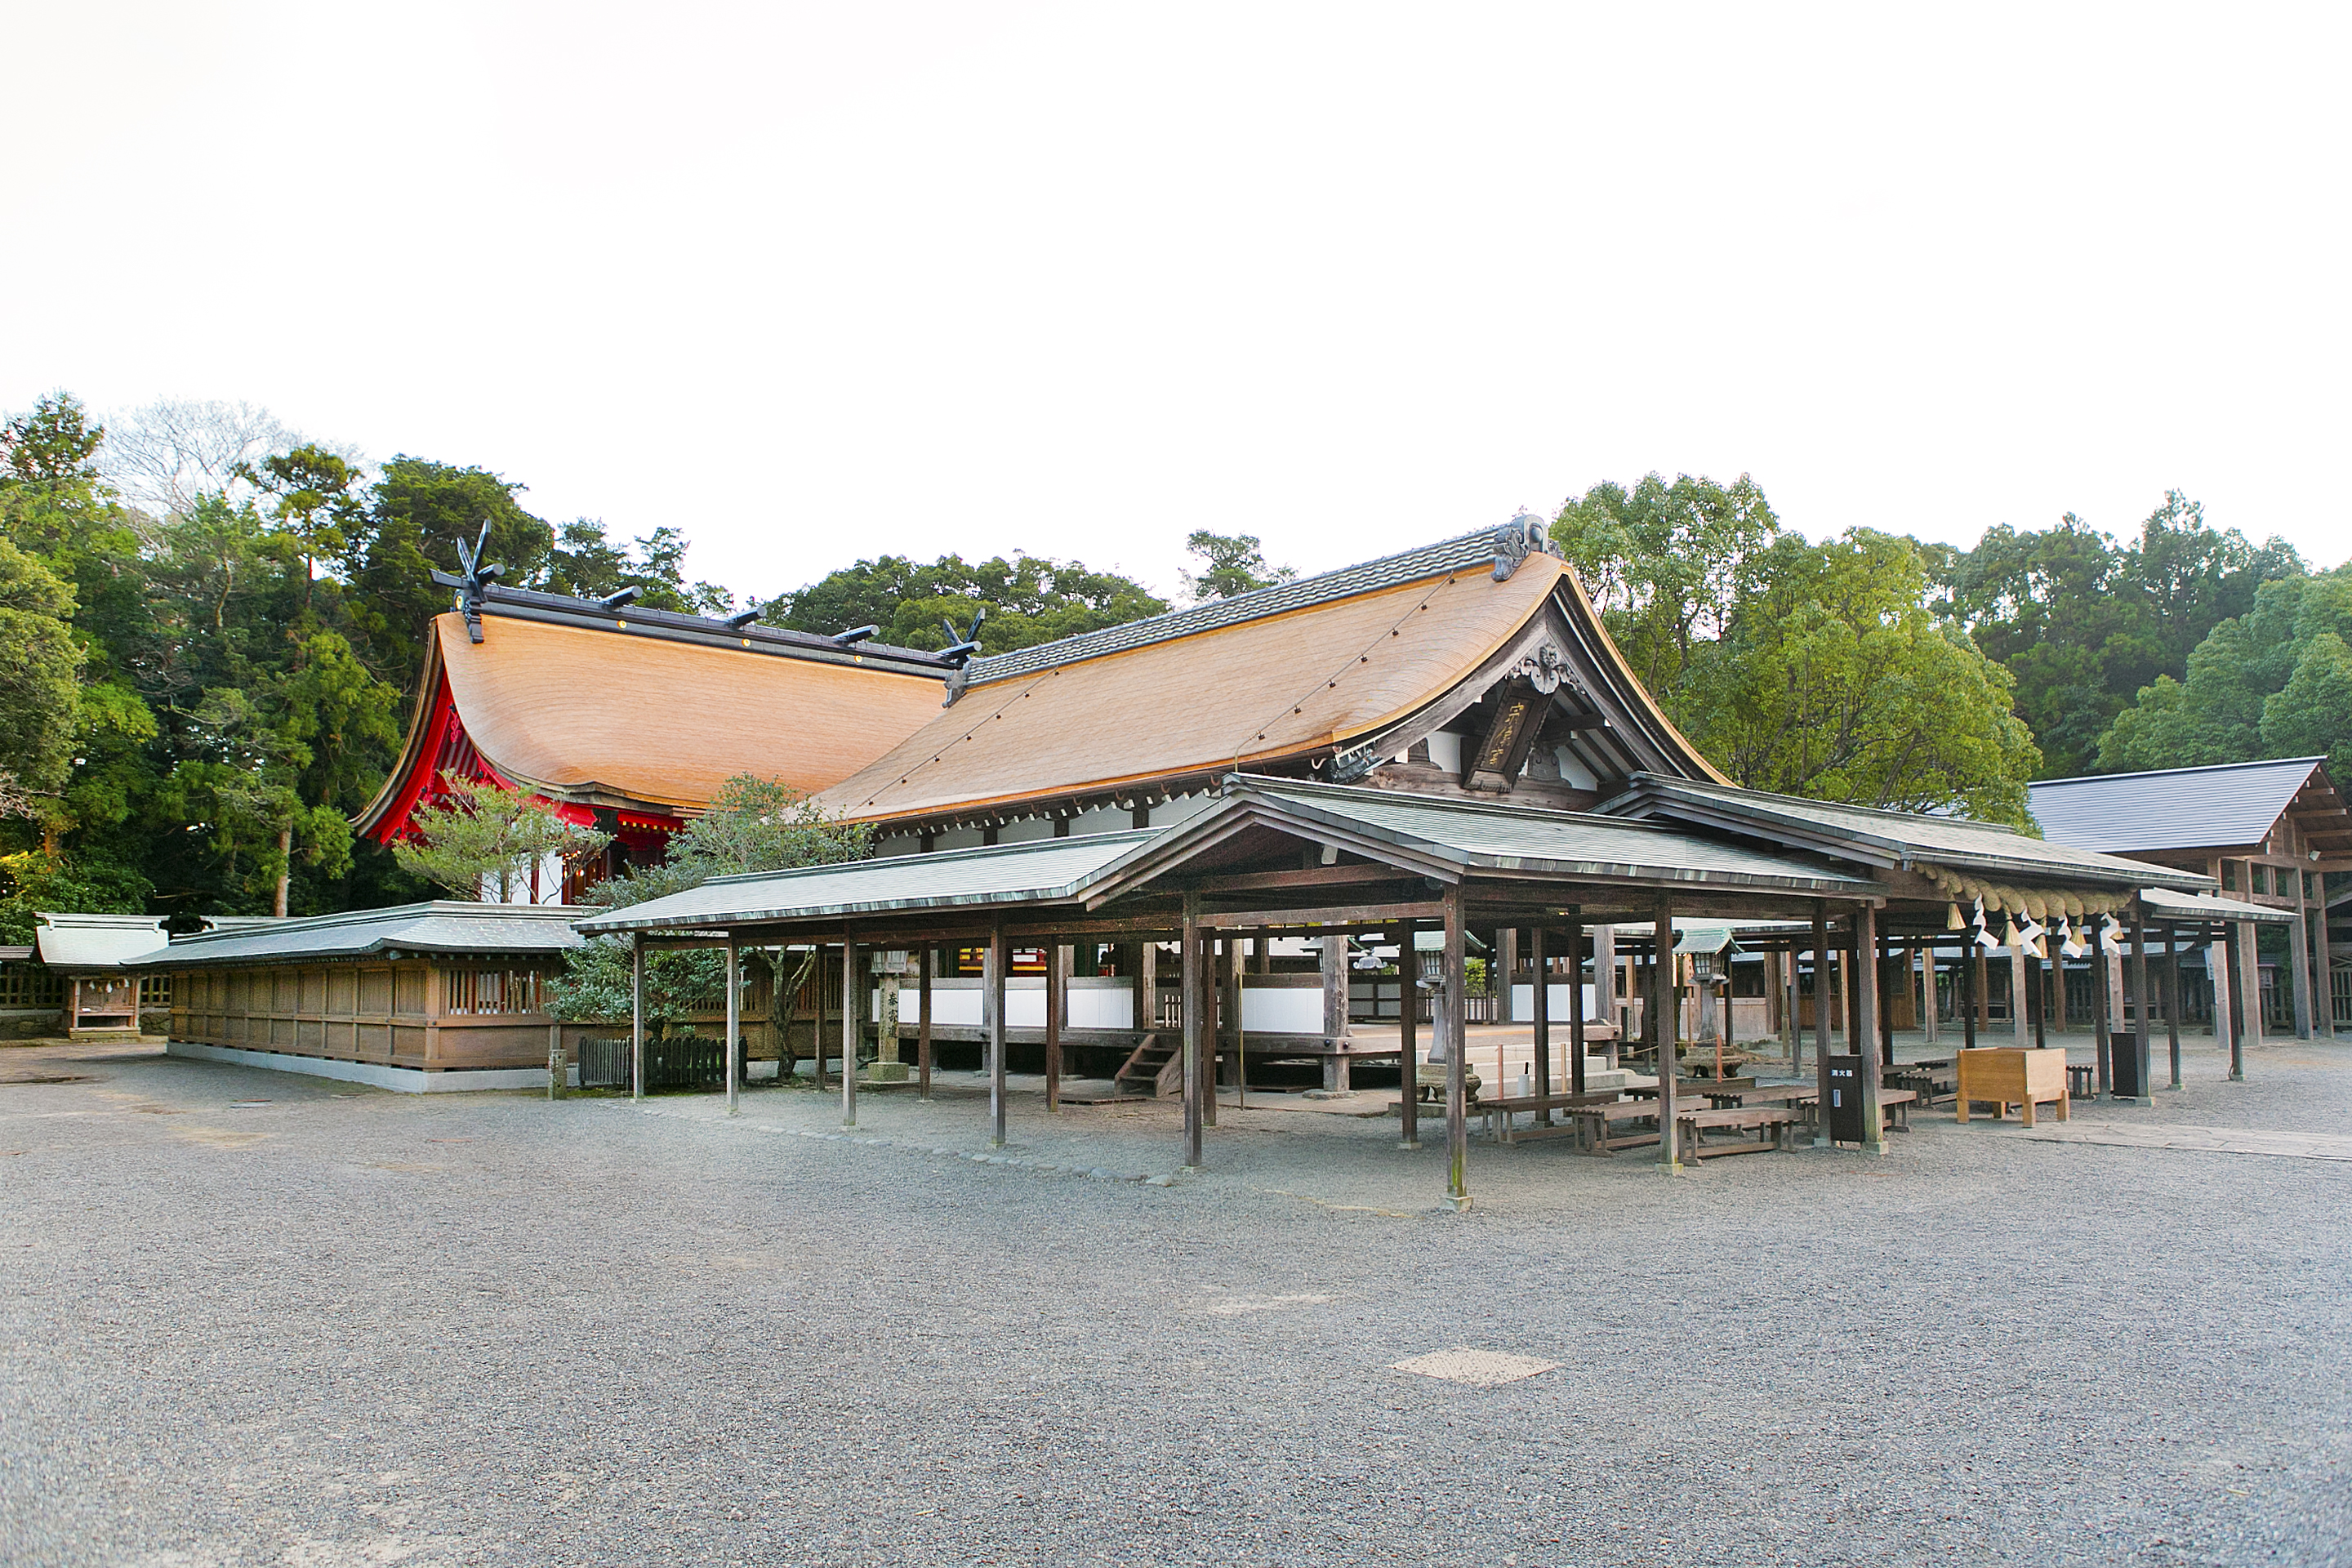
pixel 818 282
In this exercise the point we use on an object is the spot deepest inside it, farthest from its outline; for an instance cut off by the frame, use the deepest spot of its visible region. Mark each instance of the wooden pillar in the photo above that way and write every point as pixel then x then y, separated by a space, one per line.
pixel 1575 1002
pixel 734 1052
pixel 2172 998
pixel 853 1026
pixel 1408 1042
pixel 816 1016
pixel 2020 998
pixel 1056 992
pixel 1982 990
pixel 2037 973
pixel 2300 935
pixel 923 1026
pixel 1873 1127
pixel 995 972
pixel 1858 1030
pixel 1661 1026
pixel 1147 986
pixel 1969 975
pixel 1539 1016
pixel 636 1014
pixel 2231 988
pixel 2140 1087
pixel 2249 983
pixel 1194 1027
pixel 1822 1023
pixel 1336 1032
pixel 1883 961
pixel 2102 1026
pixel 1229 1010
pixel 1604 984
pixel 2325 961
pixel 1927 1001
pixel 1454 992
pixel 1506 957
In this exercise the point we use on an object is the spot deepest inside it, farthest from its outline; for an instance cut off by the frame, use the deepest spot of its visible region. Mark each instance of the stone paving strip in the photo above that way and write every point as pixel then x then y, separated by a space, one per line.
pixel 2195 1139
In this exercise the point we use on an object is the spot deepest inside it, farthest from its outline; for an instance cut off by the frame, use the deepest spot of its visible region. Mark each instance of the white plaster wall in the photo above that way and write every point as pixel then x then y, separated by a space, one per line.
pixel 958 838
pixel 1102 819
pixel 1110 1006
pixel 1282 1010
pixel 897 844
pixel 1027 832
pixel 1523 1002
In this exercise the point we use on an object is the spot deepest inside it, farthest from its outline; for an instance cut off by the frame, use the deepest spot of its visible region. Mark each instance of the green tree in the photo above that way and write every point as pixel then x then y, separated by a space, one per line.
pixel 418 513
pixel 479 835
pixel 755 825
pixel 313 496
pixel 2311 715
pixel 40 667
pixel 1027 599
pixel 1230 564
pixel 587 564
pixel 2259 684
pixel 1667 565
pixel 1833 680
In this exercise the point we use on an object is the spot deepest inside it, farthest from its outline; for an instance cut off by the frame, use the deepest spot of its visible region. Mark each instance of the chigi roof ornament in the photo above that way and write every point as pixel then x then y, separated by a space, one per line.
pixel 1526 534
pixel 473 581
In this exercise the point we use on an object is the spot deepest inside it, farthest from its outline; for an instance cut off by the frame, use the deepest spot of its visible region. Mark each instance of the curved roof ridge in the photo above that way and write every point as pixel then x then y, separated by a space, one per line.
pixel 1477 548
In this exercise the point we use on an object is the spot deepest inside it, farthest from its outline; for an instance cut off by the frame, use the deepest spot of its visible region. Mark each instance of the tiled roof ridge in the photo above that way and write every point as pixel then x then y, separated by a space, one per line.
pixel 1638 780
pixel 385 914
pixel 1475 548
pixel 776 639
pixel 929 857
pixel 2163 773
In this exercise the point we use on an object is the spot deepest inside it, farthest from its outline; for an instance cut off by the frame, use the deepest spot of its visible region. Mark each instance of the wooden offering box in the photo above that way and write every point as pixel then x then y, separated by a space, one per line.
pixel 2009 1076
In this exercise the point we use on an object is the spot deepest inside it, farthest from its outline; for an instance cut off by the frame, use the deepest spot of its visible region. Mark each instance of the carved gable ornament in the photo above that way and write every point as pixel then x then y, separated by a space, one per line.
pixel 1523 536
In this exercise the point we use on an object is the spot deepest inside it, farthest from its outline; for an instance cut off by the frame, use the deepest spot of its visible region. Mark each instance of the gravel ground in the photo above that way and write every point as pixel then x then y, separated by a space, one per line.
pixel 348 1327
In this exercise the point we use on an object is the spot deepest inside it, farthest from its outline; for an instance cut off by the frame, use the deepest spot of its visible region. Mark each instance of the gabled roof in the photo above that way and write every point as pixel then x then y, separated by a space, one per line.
pixel 1892 838
pixel 2225 806
pixel 442 928
pixel 96 942
pixel 1458 837
pixel 632 716
pixel 1286 677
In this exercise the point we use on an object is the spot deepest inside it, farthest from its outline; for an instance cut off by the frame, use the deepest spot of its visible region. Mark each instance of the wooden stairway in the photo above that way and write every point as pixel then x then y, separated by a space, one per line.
pixel 1154 1068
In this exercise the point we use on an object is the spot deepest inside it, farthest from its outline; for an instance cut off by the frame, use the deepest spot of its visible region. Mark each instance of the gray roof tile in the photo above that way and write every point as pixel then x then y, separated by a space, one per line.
pixel 2176 808
pixel 438 927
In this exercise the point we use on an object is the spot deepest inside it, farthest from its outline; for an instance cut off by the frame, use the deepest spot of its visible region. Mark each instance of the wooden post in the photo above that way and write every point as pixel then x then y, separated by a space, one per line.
pixel 2240 1006
pixel 2300 942
pixel 1408 1044
pixel 1866 1008
pixel 1821 1024
pixel 2249 983
pixel 2324 960
pixel 999 963
pixel 1970 976
pixel 636 1014
pixel 2038 996
pixel 1983 989
pixel 1604 984
pixel 2019 999
pixel 1193 1031
pixel 1454 987
pixel 1212 1022
pixel 816 1015
pixel 1883 961
pixel 2170 978
pixel 1507 958
pixel 1575 1002
pixel 734 1052
pixel 2139 1010
pixel 1539 1016
pixel 1662 1030
pixel 1927 1008
pixel 853 1026
pixel 2102 1022
pixel 923 1026
pixel 1334 963
pixel 1056 990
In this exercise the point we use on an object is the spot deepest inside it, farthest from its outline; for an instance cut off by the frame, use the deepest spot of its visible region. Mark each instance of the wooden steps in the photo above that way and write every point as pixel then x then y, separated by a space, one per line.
pixel 1155 1067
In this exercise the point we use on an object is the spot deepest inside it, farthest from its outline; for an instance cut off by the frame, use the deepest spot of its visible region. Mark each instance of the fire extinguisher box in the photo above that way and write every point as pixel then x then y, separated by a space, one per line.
pixel 1845 1107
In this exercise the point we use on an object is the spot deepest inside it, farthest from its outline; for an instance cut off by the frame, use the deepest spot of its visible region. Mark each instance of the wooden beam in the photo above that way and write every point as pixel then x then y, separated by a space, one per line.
pixel 1309 876
pixel 1343 915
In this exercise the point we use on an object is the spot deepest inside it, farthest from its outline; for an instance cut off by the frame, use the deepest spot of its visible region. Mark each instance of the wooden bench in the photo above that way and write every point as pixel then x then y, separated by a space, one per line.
pixel 1770 1122
pixel 1894 1105
pixel 1592 1123
pixel 1498 1112
pixel 2007 1076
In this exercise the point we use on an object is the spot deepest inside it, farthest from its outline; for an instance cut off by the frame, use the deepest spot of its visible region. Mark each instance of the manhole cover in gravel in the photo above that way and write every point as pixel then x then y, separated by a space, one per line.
pixel 1475 1369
